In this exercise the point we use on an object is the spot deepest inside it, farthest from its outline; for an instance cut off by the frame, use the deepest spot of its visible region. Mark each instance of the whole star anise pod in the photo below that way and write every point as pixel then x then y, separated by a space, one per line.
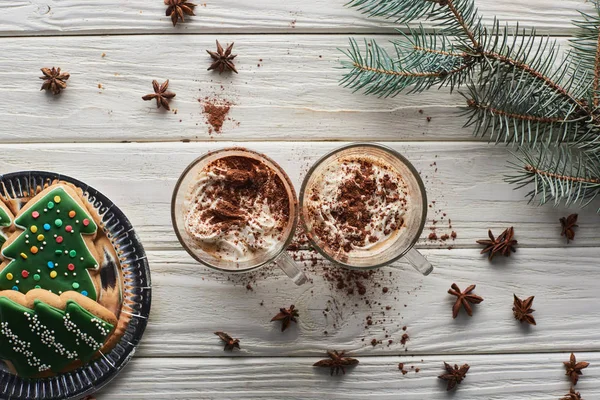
pixel 286 316
pixel 161 94
pixel 503 244
pixel 54 80
pixel 177 8
pixel 464 299
pixel 574 368
pixel 454 375
pixel 336 362
pixel 572 395
pixel 222 59
pixel 230 343
pixel 522 310
pixel 568 224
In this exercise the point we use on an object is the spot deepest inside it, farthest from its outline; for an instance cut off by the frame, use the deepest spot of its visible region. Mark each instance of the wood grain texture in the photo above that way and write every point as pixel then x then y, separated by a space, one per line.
pixel 287 103
pixel 470 190
pixel 192 302
pixel 294 95
pixel 500 377
pixel 63 17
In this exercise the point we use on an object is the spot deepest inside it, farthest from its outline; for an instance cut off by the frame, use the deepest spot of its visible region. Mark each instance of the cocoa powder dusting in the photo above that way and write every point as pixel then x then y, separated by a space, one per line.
pixel 235 193
pixel 353 210
pixel 245 179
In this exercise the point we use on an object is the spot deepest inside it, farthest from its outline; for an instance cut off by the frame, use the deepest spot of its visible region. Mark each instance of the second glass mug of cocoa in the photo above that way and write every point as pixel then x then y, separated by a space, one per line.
pixel 364 206
pixel 181 203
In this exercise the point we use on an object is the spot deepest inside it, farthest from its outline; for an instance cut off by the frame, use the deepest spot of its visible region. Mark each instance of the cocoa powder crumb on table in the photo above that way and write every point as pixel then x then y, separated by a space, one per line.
pixel 401 368
pixel 404 339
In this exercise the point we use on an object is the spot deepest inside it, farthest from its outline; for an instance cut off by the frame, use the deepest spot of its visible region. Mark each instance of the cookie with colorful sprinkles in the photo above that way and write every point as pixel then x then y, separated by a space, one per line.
pixel 53 246
pixel 43 334
pixel 62 301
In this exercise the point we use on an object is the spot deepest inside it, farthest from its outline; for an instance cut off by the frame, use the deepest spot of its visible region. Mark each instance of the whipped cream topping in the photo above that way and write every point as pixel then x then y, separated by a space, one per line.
pixel 238 209
pixel 357 205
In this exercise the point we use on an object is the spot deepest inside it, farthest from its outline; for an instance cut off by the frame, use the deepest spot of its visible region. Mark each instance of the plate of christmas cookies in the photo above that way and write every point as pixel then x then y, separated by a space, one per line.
pixel 75 288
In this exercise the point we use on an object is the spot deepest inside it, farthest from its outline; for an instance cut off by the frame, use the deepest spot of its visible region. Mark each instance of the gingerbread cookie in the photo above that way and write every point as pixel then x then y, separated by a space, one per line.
pixel 61 283
pixel 43 333
pixel 52 247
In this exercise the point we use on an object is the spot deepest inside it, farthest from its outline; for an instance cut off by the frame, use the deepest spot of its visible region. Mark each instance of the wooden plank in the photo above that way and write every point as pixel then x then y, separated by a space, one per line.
pixel 293 95
pixel 525 377
pixel 470 190
pixel 192 302
pixel 64 17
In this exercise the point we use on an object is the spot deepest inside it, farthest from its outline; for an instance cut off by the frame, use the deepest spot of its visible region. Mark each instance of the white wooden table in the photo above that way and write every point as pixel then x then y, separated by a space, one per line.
pixel 292 109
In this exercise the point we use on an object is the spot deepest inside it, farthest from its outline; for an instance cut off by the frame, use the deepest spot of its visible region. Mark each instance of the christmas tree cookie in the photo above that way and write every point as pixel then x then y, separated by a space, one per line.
pixel 42 334
pixel 61 284
pixel 53 246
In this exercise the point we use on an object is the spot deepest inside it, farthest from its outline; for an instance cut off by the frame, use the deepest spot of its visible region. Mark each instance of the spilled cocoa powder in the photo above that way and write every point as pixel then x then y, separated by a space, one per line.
pixel 216 112
pixel 375 301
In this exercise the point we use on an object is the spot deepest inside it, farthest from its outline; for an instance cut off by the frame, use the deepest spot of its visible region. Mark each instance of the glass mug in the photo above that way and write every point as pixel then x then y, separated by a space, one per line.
pixel 414 218
pixel 180 205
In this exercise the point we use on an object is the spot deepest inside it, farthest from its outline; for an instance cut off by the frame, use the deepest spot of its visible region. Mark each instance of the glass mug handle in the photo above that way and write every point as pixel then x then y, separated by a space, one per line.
pixel 289 266
pixel 419 262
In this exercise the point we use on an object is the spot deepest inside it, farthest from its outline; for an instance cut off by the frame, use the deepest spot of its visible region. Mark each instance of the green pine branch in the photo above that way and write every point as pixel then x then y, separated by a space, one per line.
pixel 586 53
pixel 558 173
pixel 517 90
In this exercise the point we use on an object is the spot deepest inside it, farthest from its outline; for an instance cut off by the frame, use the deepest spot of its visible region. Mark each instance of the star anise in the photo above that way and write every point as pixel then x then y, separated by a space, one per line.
pixel 222 59
pixel 336 362
pixel 454 375
pixel 568 224
pixel 177 8
pixel 465 299
pixel 230 343
pixel 522 310
pixel 54 80
pixel 503 244
pixel 574 368
pixel 161 95
pixel 572 395
pixel 286 316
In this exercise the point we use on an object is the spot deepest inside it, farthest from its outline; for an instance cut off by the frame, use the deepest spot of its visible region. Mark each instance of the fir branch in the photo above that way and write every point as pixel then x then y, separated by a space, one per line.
pixel 402 11
pixel 596 101
pixel 412 74
pixel 377 72
pixel 461 21
pixel 517 91
pixel 523 117
pixel 519 49
pixel 444 53
pixel 566 178
pixel 454 17
pixel 586 51
pixel 535 74
pixel 558 173
pixel 513 107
